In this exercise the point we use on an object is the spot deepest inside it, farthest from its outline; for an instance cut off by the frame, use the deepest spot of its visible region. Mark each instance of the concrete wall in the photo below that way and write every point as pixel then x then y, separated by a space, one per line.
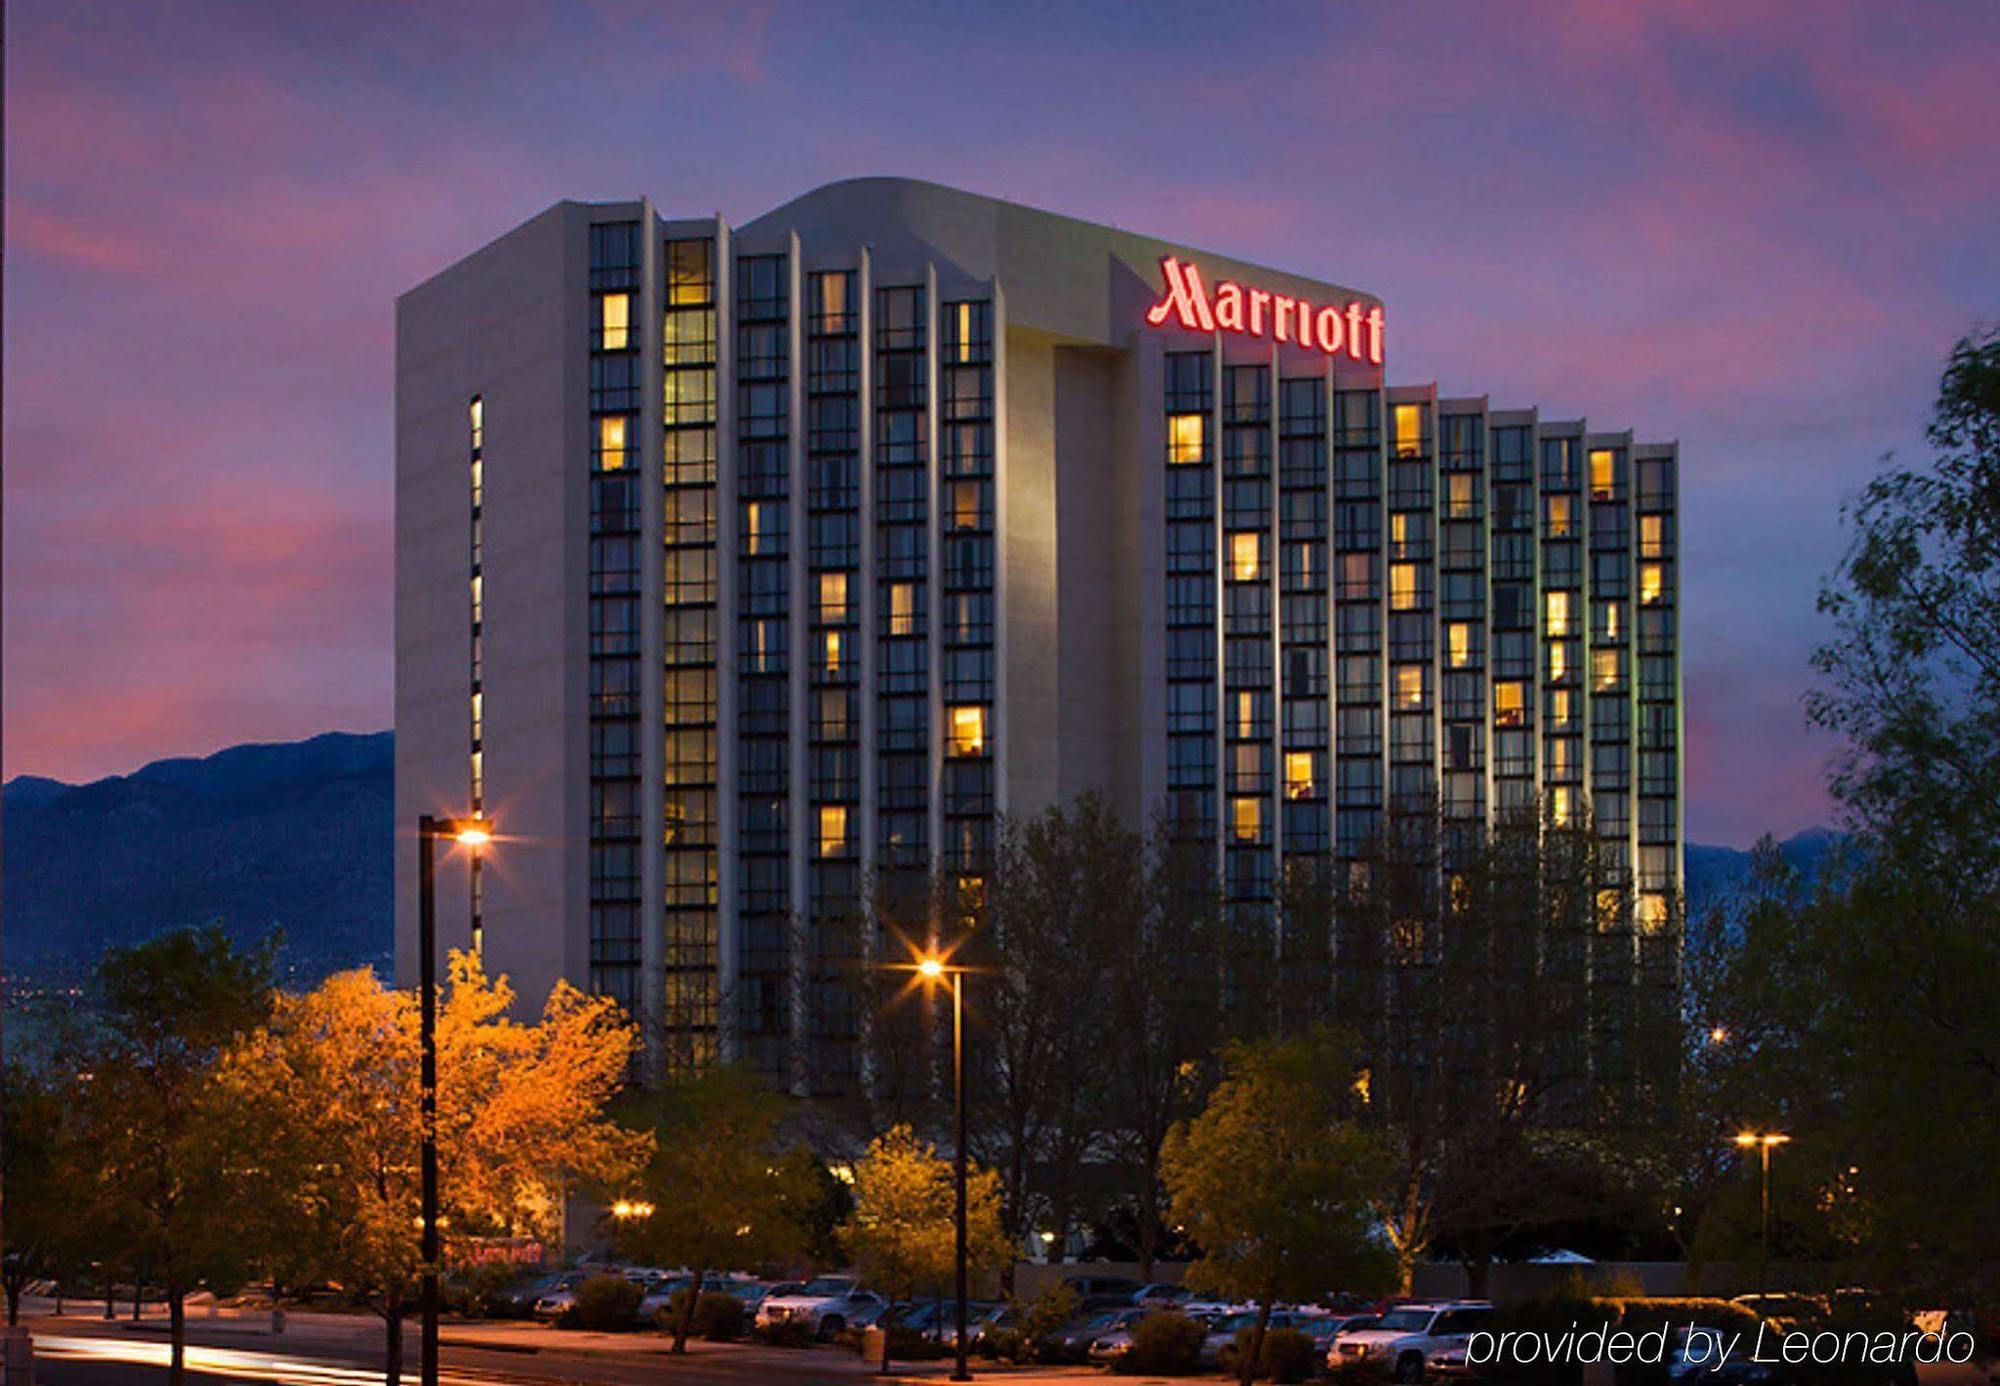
pixel 503 324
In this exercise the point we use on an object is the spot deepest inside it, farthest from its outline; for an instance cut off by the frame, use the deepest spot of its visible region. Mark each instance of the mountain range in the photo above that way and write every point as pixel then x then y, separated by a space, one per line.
pixel 297 837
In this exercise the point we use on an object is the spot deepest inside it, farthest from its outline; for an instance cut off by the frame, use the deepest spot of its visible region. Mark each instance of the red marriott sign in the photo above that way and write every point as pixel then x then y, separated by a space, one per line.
pixel 1353 329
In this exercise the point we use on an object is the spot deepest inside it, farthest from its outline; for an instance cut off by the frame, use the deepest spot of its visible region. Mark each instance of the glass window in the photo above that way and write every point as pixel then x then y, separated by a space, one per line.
pixel 1510 703
pixel 614 322
pixel 1603 474
pixel 1187 438
pixel 1558 614
pixel 968 731
pixel 1408 422
pixel 1246 557
pixel 612 433
pixel 832 830
pixel 1299 775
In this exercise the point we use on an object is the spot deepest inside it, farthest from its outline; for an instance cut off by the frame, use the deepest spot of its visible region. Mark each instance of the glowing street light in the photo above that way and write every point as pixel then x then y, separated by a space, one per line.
pixel 933 968
pixel 472 834
pixel 1763 1142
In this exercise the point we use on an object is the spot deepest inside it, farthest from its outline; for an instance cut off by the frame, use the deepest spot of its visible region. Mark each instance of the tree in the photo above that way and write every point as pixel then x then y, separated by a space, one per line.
pixel 1276 1180
pixel 521 1118
pixel 1885 980
pixel 902 1230
pixel 48 1211
pixel 163 1180
pixel 725 1192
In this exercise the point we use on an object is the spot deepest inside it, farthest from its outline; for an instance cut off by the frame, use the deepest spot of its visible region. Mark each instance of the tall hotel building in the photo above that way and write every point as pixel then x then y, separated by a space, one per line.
pixel 737 564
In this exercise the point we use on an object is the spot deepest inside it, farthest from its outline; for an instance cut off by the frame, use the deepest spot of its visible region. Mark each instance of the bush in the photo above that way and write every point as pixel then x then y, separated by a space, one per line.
pixel 1166 1344
pixel 914 1345
pixel 1055 1306
pixel 1288 1355
pixel 786 1333
pixel 605 1303
pixel 718 1317
pixel 1001 1345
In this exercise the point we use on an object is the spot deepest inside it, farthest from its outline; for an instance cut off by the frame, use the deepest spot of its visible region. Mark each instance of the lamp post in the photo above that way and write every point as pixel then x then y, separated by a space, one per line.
pixel 933 969
pixel 472 833
pixel 1762 1142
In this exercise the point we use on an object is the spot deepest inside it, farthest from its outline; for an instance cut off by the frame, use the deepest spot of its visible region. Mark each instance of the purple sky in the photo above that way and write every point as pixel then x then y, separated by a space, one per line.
pixel 1756 228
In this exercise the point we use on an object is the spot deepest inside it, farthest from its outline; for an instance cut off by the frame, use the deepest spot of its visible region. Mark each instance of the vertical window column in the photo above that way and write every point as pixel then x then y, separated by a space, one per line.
pixel 1304 616
pixel 476 800
pixel 1462 611
pixel 1511 622
pixel 1248 684
pixel 902 595
pixel 1359 675
pixel 1560 619
pixel 966 547
pixel 763 578
pixel 1412 571
pixel 614 615
pixel 689 860
pixel 1191 594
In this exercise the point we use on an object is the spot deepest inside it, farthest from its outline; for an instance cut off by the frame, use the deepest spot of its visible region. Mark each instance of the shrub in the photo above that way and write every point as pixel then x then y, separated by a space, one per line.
pixel 605 1303
pixel 914 1345
pixel 786 1333
pixel 1288 1355
pixel 718 1317
pixel 1166 1344
pixel 1001 1344
pixel 1055 1306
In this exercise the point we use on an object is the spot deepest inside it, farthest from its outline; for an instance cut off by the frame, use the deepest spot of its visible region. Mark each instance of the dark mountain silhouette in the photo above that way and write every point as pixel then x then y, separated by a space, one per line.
pixel 294 837
pixel 297 837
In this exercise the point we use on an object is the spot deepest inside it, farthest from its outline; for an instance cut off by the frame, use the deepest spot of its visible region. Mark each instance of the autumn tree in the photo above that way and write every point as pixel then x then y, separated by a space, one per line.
pixel 46 1154
pixel 521 1119
pixel 902 1232
pixel 161 1179
pixel 1276 1180
pixel 725 1190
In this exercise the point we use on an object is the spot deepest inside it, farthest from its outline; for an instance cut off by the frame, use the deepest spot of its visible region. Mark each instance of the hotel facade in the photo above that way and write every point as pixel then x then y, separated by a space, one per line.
pixel 739 566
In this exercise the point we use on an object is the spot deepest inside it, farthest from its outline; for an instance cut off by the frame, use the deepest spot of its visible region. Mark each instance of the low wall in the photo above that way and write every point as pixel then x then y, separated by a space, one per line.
pixel 1513 1280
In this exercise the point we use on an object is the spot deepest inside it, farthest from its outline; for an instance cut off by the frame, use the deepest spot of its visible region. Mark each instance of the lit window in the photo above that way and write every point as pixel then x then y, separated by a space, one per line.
pixel 833 309
pixel 965 332
pixel 1459 495
pixel 1246 556
pixel 1246 714
pixel 611 442
pixel 1246 817
pixel 1510 704
pixel 1562 805
pixel 1610 907
pixel 1409 426
pixel 835 723
pixel 1458 644
pixel 968 731
pixel 1298 774
pixel 832 829
pixel 478 711
pixel 962 504
pixel 478 413
pixel 831 648
pixel 1652 912
pixel 1558 660
pixel 1652 583
pixel 1559 707
pixel 1613 620
pixel 478 775
pixel 902 608
pixel 1558 614
pixel 1187 437
pixel 478 595
pixel 614 321
pixel 759 526
pixel 1603 473
pixel 1399 530
pixel 833 598
pixel 1562 520
pixel 478 477
pixel 1604 670
pixel 1409 685
pixel 1652 536
pixel 1402 586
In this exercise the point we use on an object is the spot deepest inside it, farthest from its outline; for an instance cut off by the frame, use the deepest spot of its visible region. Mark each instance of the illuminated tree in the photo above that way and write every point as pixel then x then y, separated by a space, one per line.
pixel 1276 1181
pixel 725 1192
pixel 901 1232
pixel 521 1118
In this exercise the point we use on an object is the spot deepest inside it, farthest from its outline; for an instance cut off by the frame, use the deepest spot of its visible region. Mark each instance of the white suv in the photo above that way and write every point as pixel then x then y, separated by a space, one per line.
pixel 1408 1334
pixel 827 1304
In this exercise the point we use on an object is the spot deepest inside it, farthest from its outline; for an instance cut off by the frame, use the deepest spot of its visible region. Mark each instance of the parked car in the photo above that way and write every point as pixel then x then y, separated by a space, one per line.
pixel 1160 1295
pixel 561 1296
pixel 1074 1338
pixel 828 1304
pixel 1222 1331
pixel 516 1299
pixel 977 1313
pixel 1402 1343
pixel 1323 1329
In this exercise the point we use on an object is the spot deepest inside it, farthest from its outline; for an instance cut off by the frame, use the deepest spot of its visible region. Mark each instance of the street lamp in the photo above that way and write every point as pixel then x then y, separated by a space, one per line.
pixel 1763 1142
pixel 935 969
pixel 472 833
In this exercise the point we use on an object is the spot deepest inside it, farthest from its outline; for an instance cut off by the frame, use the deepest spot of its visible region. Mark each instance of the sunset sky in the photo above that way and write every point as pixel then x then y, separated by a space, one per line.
pixel 1754 228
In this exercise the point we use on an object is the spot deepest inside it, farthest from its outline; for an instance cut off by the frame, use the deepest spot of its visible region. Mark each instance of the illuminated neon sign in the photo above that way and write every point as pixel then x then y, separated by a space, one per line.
pixel 1353 328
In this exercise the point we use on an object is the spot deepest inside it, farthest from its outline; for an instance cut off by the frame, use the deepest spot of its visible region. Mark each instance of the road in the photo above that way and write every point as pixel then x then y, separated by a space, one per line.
pixel 82 1349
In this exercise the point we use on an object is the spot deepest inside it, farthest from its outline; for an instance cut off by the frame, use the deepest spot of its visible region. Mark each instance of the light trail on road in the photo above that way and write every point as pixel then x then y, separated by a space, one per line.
pixel 234 1363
